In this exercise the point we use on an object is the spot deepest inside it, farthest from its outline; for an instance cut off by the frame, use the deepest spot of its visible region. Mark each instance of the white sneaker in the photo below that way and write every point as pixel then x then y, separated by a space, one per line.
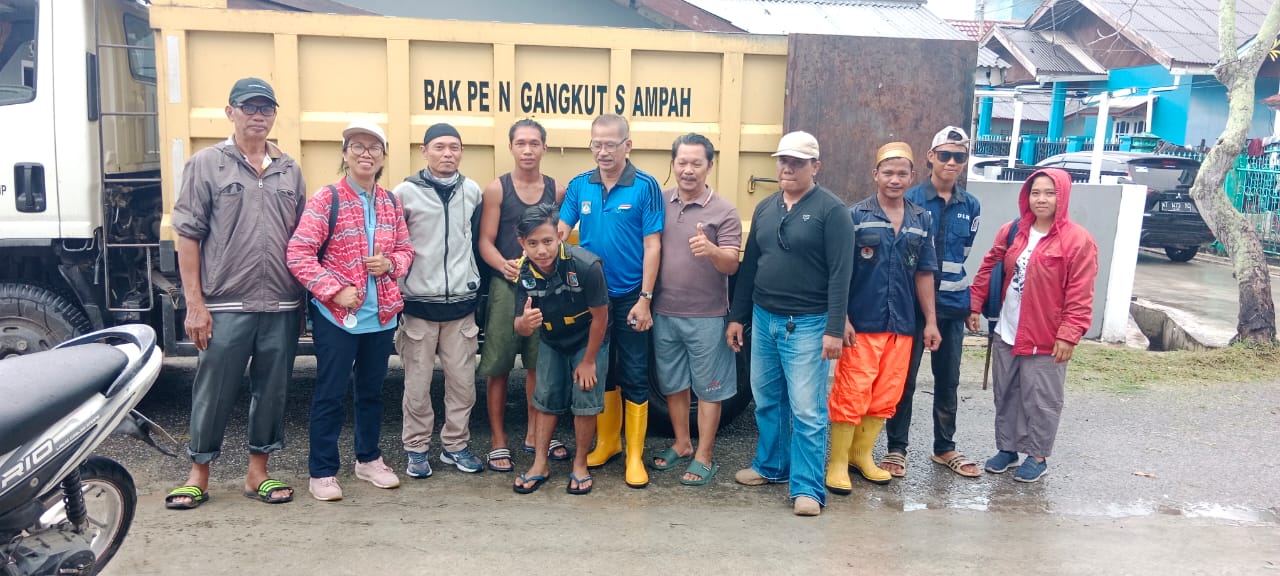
pixel 325 489
pixel 377 473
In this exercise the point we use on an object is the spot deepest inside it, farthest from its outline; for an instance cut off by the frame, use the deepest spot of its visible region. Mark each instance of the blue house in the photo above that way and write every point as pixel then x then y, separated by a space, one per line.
pixel 1154 57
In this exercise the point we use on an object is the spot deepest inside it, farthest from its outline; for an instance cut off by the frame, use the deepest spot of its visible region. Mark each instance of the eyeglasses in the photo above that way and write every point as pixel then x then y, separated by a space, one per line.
pixel 359 149
pixel 263 109
pixel 945 156
pixel 597 146
pixel 782 229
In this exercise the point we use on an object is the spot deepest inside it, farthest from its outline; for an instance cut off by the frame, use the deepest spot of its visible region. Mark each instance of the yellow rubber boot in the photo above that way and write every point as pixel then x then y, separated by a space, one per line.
pixel 838 481
pixel 637 426
pixel 864 440
pixel 608 430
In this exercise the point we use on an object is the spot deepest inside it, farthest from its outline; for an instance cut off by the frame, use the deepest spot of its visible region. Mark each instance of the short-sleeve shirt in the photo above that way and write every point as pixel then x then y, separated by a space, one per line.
pixel 612 224
pixel 565 296
pixel 690 286
pixel 882 293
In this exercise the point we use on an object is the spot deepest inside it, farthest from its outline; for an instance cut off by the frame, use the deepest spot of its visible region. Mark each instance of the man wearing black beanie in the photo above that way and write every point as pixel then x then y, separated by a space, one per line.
pixel 441 292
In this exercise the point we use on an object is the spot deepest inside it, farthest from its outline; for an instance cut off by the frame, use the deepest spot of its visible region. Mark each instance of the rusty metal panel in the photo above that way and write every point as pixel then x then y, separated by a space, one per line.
pixel 855 93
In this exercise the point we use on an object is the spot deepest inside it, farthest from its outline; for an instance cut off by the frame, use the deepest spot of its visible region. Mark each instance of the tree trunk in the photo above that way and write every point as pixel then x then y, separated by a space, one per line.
pixel 1257 317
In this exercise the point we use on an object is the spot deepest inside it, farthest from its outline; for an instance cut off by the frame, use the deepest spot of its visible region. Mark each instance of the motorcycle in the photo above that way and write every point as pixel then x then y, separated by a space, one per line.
pixel 62 509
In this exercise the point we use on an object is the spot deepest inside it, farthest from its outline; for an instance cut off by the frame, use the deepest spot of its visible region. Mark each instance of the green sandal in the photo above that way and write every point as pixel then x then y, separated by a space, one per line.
pixel 195 493
pixel 704 474
pixel 265 489
pixel 671 457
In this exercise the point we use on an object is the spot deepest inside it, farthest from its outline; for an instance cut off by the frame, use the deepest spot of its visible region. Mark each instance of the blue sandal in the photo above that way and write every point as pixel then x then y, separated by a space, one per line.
pixel 704 474
pixel 537 479
pixel 579 491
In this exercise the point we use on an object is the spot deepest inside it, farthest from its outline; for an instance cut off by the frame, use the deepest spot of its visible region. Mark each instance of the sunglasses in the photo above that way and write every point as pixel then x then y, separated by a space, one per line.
pixel 782 231
pixel 263 109
pixel 945 156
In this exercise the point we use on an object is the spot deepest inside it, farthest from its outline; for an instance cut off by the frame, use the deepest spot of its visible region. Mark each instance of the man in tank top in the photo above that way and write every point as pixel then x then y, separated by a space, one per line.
pixel 505 202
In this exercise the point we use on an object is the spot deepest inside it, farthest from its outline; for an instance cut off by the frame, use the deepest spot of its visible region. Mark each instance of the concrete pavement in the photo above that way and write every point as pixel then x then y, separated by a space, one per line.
pixel 1200 297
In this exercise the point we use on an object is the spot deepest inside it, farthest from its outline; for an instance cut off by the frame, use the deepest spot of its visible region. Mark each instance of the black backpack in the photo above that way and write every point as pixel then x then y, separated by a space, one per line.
pixel 333 219
pixel 995 288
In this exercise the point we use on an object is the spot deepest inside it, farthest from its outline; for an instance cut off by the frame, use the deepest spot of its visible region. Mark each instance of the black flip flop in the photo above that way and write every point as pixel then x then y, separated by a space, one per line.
pixel 263 493
pixel 197 495
pixel 537 479
pixel 579 491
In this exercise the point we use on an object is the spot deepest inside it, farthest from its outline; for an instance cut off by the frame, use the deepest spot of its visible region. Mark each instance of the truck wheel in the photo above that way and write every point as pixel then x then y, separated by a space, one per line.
pixel 34 319
pixel 1181 254
pixel 660 416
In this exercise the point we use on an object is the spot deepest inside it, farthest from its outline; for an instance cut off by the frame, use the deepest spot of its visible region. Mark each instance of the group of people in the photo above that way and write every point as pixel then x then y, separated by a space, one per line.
pixel 867 287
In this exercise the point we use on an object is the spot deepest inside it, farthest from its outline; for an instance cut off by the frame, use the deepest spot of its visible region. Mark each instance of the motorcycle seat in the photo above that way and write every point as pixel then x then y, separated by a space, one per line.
pixel 39 389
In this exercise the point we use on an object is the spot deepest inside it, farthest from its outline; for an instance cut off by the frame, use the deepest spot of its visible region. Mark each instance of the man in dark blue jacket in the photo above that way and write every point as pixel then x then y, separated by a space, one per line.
pixel 955 215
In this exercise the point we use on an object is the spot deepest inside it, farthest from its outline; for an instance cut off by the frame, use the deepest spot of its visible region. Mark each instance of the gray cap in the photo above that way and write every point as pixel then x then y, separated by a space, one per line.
pixel 247 89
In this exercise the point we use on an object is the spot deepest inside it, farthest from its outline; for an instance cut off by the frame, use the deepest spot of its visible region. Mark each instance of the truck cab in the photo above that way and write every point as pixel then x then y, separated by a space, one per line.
pixel 80 197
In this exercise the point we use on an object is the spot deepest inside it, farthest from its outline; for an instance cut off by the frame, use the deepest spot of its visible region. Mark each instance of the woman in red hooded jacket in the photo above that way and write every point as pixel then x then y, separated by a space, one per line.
pixel 351 271
pixel 1047 307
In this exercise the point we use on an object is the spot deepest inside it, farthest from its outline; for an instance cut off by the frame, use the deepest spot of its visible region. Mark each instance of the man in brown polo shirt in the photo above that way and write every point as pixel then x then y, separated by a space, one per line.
pixel 701 236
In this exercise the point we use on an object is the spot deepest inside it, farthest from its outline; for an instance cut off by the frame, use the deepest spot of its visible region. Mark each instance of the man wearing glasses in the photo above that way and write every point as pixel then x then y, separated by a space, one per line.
pixel 619 212
pixel 955 215
pixel 441 291
pixel 793 287
pixel 238 206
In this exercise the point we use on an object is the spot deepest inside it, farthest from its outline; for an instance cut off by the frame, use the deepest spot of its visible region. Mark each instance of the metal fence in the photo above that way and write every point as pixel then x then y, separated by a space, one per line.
pixel 1254 188
pixel 996 146
pixel 1047 148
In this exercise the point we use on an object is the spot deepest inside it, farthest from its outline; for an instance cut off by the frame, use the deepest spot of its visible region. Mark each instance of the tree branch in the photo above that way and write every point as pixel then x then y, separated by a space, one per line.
pixel 1227 32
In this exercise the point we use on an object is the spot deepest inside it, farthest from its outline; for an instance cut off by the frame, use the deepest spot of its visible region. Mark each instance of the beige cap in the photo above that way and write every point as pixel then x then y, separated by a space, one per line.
pixel 798 144
pixel 894 150
pixel 363 126
pixel 950 135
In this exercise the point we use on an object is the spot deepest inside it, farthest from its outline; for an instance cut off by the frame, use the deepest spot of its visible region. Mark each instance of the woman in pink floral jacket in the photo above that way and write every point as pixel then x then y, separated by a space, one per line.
pixel 348 256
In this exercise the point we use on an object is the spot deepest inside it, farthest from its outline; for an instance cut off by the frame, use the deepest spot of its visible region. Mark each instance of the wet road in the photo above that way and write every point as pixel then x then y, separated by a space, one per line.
pixel 1158 480
pixel 1203 287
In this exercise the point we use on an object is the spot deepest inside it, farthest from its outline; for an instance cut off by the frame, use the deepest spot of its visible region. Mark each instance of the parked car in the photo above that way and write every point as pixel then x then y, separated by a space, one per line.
pixel 979 164
pixel 1171 220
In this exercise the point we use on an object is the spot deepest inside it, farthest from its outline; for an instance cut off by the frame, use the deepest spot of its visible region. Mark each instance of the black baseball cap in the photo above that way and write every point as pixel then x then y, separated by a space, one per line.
pixel 249 88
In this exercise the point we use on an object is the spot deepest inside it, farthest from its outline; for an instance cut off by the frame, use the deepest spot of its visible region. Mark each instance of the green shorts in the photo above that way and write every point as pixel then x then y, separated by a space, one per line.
pixel 501 343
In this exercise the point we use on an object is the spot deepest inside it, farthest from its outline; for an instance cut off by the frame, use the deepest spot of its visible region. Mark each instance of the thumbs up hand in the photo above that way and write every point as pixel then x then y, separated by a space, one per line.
pixel 700 244
pixel 531 317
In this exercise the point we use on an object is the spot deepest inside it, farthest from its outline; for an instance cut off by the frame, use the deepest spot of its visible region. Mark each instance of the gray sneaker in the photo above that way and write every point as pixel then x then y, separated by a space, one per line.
pixel 419 465
pixel 464 459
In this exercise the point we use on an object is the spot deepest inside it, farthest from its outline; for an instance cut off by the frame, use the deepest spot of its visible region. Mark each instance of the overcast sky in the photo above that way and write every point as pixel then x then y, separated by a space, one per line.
pixel 952 9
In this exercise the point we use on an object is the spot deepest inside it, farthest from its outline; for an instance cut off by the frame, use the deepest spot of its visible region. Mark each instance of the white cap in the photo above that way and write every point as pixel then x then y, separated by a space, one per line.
pixel 798 145
pixel 949 135
pixel 362 126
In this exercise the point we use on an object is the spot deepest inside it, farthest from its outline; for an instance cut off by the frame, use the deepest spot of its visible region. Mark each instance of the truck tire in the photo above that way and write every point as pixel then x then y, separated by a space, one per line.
pixel 660 416
pixel 1181 254
pixel 34 319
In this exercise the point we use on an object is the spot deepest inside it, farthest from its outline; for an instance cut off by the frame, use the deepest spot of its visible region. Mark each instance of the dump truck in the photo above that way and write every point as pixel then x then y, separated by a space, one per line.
pixel 102 102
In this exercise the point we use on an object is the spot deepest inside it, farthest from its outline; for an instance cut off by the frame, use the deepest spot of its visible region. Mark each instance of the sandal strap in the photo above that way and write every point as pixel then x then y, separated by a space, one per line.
pixel 271 485
pixel 499 453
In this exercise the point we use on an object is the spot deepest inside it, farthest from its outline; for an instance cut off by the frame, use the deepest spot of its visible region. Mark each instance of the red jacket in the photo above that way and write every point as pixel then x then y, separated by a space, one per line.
pixel 343 263
pixel 1057 299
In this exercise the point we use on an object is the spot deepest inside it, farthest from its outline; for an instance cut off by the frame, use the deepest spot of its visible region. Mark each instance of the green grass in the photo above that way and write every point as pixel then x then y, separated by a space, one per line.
pixel 1126 370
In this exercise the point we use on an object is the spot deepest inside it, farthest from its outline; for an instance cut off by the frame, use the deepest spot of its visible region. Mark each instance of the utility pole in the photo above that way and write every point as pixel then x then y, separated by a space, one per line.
pixel 982 18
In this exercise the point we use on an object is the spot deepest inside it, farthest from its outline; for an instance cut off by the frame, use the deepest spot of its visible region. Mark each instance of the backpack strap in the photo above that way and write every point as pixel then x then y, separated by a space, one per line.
pixel 333 223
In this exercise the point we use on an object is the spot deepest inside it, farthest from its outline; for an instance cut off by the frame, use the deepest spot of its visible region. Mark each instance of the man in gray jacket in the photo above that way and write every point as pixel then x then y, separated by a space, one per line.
pixel 441 292
pixel 239 203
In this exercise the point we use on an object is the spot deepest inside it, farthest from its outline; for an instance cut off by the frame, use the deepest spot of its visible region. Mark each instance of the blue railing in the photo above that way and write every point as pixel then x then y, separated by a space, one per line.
pixel 1254 188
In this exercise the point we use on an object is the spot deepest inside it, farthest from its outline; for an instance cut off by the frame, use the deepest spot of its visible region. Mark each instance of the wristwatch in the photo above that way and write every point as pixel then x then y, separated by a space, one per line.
pixel 648 295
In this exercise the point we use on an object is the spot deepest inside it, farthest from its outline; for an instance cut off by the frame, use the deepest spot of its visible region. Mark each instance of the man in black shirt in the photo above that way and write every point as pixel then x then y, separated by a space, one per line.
pixel 793 287
pixel 561 292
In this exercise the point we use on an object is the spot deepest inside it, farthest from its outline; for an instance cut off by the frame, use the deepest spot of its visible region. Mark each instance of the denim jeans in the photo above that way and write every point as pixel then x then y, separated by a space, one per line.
pixel 337 351
pixel 628 351
pixel 789 383
pixel 946 379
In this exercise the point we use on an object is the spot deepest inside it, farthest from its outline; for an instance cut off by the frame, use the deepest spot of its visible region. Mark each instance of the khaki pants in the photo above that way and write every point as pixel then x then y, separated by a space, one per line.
pixel 418 342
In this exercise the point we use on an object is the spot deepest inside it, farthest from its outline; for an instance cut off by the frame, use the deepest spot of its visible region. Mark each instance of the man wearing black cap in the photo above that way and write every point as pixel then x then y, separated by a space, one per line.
pixel 239 203
pixel 441 292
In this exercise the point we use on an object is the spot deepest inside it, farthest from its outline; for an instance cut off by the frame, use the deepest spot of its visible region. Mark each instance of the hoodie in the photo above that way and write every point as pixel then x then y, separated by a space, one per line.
pixel 1057 299
pixel 443 283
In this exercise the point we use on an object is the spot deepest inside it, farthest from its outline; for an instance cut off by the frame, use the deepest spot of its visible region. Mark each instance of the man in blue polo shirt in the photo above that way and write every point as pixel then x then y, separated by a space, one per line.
pixel 955 215
pixel 619 213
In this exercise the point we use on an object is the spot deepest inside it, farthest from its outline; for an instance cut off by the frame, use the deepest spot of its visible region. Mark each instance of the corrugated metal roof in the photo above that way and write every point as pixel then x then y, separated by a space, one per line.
pixel 1034 111
pixel 1045 56
pixel 987 58
pixel 1185 30
pixel 883 18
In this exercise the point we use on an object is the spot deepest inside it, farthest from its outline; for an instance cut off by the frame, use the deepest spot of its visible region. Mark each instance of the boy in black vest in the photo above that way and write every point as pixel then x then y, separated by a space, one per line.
pixel 561 293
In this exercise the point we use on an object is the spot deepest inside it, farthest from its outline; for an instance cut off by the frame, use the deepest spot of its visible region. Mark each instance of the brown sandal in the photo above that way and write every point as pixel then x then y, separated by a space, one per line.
pixel 956 463
pixel 895 459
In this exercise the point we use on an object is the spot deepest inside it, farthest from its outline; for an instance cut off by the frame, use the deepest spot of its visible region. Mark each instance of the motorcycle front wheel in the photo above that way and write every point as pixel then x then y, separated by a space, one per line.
pixel 110 500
